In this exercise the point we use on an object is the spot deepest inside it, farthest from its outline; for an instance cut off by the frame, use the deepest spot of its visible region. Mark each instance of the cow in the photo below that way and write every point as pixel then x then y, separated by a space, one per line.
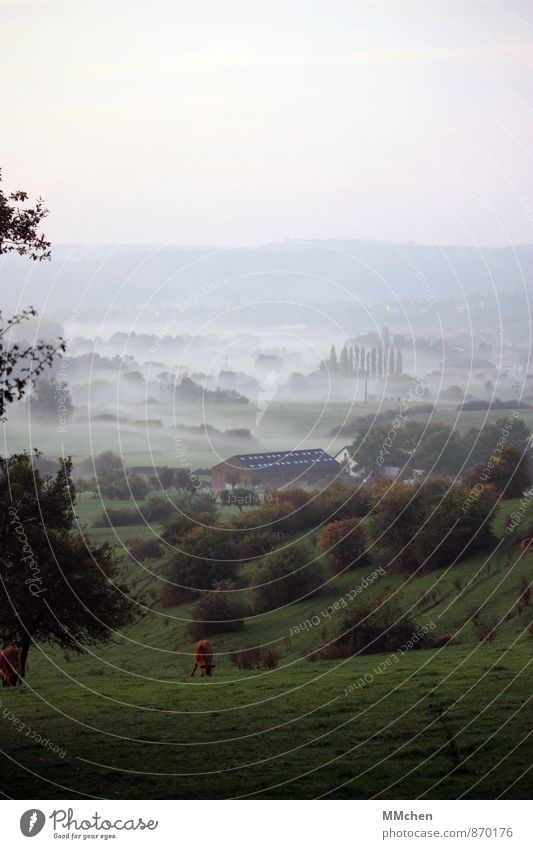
pixel 203 658
pixel 10 667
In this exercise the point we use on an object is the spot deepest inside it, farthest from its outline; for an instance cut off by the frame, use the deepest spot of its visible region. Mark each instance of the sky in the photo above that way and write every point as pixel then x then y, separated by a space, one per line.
pixel 226 122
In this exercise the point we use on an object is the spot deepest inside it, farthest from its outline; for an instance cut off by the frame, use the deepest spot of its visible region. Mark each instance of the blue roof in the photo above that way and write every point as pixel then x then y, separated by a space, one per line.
pixel 279 460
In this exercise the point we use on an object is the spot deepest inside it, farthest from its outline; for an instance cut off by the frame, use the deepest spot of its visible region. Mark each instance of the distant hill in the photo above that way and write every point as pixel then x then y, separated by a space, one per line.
pixel 301 270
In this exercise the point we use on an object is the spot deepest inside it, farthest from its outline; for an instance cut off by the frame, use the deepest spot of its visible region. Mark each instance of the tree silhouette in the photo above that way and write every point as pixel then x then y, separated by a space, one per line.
pixel 56 586
pixel 19 233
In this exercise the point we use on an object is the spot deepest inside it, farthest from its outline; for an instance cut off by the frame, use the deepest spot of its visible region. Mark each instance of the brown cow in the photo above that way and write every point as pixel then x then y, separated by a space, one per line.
pixel 10 667
pixel 203 658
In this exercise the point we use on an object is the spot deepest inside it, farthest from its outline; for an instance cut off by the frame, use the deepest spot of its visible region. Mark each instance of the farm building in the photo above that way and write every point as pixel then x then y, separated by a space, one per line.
pixel 347 460
pixel 276 469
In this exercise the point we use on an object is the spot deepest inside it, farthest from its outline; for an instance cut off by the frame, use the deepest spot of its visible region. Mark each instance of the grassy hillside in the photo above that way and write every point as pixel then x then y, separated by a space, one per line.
pixel 130 722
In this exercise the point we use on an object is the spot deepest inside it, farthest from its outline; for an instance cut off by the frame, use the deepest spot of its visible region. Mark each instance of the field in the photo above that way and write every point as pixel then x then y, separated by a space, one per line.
pixel 130 723
pixel 298 425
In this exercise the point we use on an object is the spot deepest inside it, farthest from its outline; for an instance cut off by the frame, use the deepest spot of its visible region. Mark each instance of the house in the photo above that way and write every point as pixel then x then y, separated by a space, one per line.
pixel 347 460
pixel 276 469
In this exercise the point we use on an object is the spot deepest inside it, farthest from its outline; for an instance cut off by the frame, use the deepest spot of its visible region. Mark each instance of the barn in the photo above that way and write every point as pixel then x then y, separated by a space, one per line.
pixel 276 470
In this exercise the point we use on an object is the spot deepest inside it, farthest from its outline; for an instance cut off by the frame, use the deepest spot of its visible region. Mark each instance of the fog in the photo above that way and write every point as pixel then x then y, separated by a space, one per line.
pixel 187 356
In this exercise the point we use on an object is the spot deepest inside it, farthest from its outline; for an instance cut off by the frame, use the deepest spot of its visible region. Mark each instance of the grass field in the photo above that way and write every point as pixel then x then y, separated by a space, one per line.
pixel 284 425
pixel 130 723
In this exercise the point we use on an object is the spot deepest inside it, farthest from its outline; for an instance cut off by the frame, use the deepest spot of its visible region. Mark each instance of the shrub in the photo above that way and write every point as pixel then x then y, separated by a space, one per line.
pixel 117 517
pixel 432 524
pixel 486 631
pixel 374 626
pixel 286 576
pixel 218 612
pixel 175 529
pixel 207 556
pixel 251 657
pixel 509 472
pixel 345 542
pixel 270 659
pixel 158 509
pixel 296 510
pixel 154 510
pixel 246 658
pixel 258 543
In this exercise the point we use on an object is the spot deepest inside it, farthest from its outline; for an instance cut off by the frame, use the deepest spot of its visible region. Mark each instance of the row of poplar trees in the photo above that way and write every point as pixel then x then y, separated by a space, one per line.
pixel 377 361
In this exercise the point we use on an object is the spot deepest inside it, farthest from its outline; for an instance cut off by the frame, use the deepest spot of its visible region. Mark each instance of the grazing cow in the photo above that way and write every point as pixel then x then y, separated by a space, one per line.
pixel 10 667
pixel 203 658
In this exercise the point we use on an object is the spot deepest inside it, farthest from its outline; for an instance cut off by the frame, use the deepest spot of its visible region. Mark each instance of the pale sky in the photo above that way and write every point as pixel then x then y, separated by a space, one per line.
pixel 234 122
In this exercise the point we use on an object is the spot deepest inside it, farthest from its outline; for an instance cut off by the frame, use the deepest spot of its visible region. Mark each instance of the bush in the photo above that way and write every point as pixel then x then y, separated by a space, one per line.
pixel 287 576
pixel 296 510
pixel 374 626
pixel 345 541
pixel 258 543
pixel 218 612
pixel 155 510
pixel 158 509
pixel 246 658
pixel 117 517
pixel 251 657
pixel 431 524
pixel 207 556
pixel 175 529
pixel 270 659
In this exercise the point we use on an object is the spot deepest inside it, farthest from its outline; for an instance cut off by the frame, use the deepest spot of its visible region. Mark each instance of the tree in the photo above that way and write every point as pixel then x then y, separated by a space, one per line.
pixel 345 542
pixel 397 518
pixel 166 477
pixel 440 450
pixel 51 400
pixel 219 612
pixel 56 586
pixel 376 625
pixel 20 366
pixel 431 525
pixel 101 464
pixel 333 362
pixel 234 478
pixel 206 556
pixel 240 497
pixel 381 363
pixel 138 486
pixel 19 226
pixel 373 361
pixel 390 364
pixel 454 393
pixel 399 362
pixel 356 354
pixel 19 233
pixel 344 362
pixel 287 576
pixel 508 472
pixel 372 449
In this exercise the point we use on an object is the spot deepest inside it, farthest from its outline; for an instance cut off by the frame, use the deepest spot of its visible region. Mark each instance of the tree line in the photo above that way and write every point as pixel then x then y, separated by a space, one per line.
pixel 378 361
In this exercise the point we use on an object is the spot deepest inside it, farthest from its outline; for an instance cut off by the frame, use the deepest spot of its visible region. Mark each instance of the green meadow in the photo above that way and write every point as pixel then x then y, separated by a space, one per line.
pixel 127 721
